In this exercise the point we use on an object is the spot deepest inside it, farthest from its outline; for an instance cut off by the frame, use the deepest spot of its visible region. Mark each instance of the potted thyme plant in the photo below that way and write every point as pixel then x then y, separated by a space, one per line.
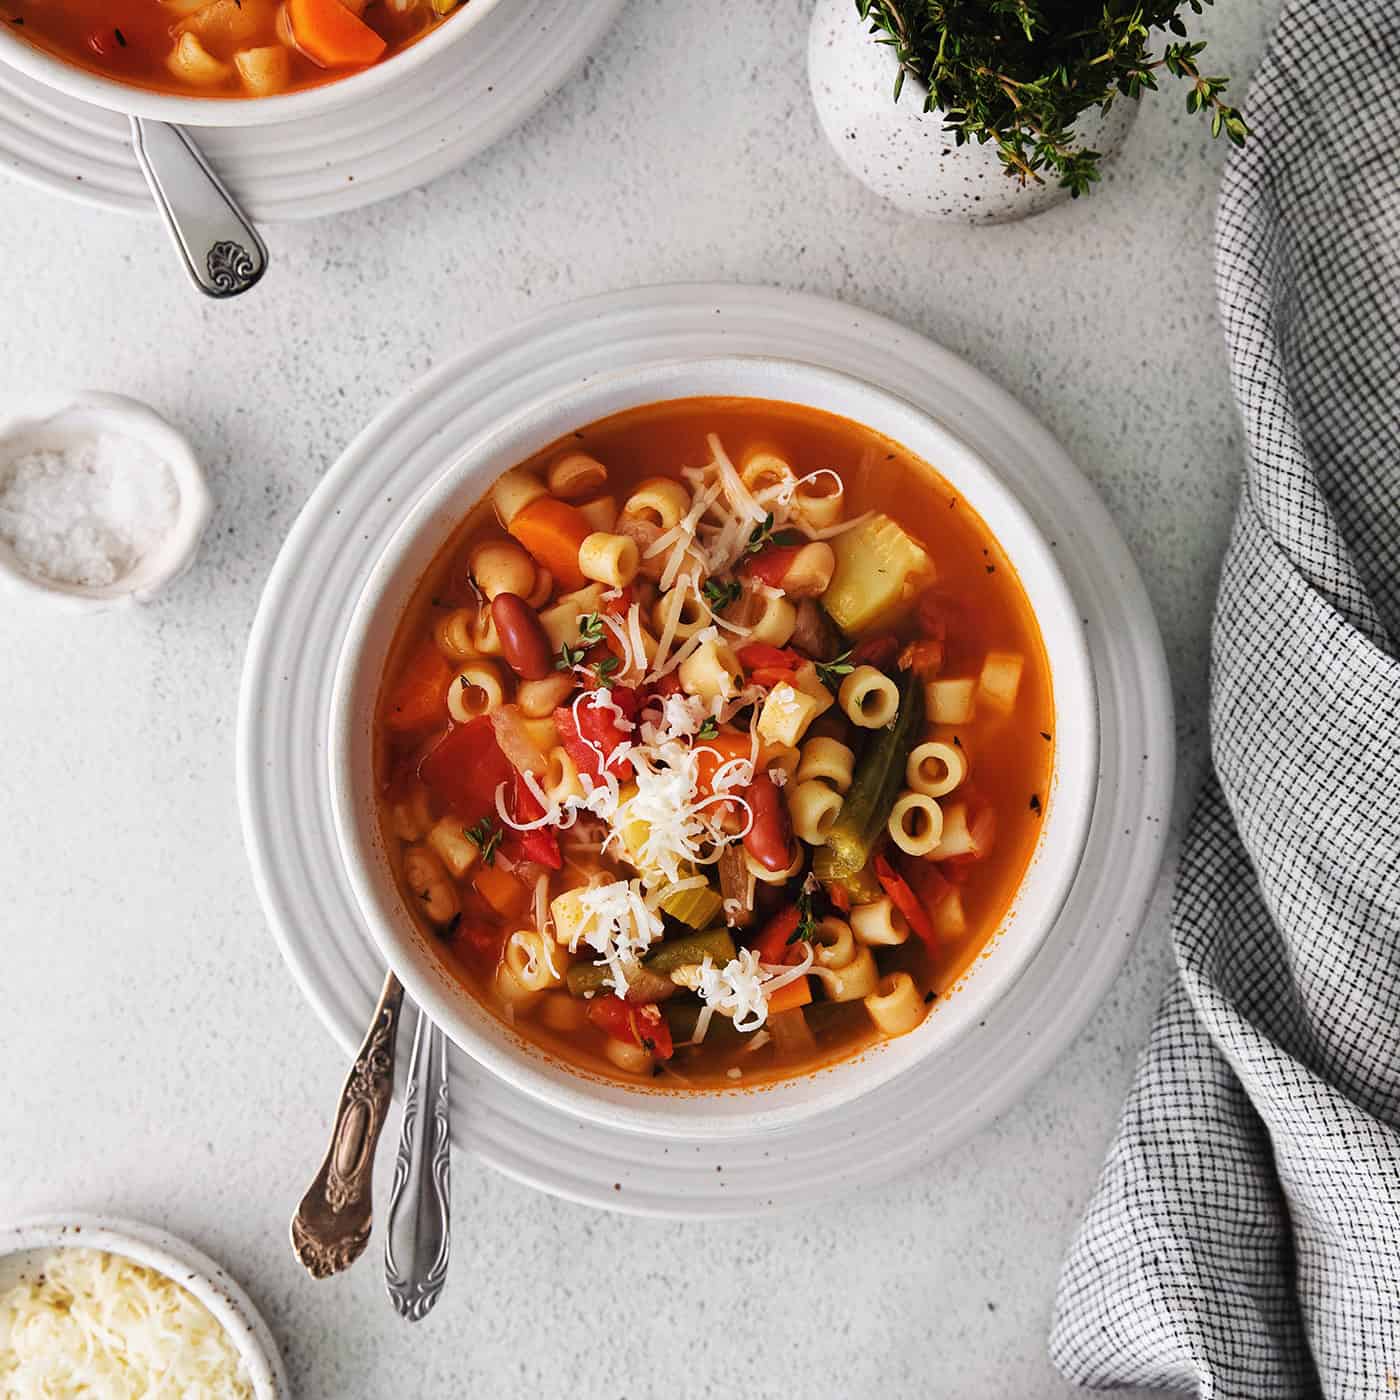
pixel 1015 103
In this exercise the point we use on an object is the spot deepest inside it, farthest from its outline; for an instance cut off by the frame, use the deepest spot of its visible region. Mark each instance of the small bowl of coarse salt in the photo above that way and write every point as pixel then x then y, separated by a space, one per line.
pixel 102 502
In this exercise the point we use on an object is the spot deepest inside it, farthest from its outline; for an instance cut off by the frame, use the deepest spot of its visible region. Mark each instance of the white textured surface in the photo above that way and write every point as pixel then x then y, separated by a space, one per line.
pixel 160 1063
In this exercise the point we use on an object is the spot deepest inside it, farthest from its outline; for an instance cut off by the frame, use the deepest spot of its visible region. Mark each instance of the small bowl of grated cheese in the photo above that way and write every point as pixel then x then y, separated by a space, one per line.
pixel 93 1307
pixel 102 502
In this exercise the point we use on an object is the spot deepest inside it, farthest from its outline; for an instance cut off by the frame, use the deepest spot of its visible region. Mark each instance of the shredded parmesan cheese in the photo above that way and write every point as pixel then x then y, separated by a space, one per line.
pixel 619 927
pixel 94 1324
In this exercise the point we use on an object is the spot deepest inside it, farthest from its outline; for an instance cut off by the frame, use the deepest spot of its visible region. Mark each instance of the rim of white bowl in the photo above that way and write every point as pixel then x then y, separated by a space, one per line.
pixel 178 1261
pixel 124 417
pixel 134 101
pixel 743 1110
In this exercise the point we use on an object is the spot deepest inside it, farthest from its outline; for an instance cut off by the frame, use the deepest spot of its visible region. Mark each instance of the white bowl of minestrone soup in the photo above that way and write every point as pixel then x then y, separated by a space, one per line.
pixel 228 62
pixel 713 743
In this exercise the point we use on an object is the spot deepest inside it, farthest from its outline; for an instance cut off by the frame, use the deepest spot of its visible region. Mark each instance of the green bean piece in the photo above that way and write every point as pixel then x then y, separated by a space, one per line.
pixel 691 948
pixel 655 970
pixel 861 821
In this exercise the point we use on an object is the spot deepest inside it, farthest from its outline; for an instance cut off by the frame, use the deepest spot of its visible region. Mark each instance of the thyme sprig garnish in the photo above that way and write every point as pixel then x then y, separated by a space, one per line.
pixel 708 730
pixel 762 535
pixel 590 633
pixel 831 672
pixel 806 929
pixel 720 593
pixel 603 671
pixel 485 835
pixel 1019 73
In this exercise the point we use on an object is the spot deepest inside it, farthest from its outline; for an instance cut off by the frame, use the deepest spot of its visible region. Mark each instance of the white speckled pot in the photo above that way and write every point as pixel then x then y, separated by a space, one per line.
pixel 900 151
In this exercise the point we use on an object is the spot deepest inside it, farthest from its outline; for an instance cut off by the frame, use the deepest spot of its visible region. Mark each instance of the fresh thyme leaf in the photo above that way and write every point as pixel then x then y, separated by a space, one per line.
pixel 830 672
pixel 486 836
pixel 1019 73
pixel 806 929
pixel 708 730
pixel 604 671
pixel 760 534
pixel 569 657
pixel 590 628
pixel 720 593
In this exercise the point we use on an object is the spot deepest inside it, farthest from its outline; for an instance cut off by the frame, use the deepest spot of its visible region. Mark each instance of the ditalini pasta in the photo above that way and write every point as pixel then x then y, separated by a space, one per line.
pixel 728 781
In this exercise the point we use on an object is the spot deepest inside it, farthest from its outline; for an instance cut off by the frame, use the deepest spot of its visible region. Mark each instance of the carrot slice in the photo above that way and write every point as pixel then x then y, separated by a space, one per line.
pixel 552 531
pixel 790 997
pixel 503 892
pixel 331 35
pixel 419 699
pixel 712 754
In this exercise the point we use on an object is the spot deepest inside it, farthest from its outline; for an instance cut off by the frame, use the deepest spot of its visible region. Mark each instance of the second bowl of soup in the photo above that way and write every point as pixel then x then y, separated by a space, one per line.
pixel 712 744
pixel 228 62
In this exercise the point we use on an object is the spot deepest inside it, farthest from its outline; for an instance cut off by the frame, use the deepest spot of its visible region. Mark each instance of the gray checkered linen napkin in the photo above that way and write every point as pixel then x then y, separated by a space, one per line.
pixel 1244 1238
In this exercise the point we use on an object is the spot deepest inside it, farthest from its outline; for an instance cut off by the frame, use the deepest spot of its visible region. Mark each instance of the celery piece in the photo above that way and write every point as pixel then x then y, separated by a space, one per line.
pixel 696 908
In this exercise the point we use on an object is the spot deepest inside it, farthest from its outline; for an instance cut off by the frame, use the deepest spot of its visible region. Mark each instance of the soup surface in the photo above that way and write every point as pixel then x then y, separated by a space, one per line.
pixel 224 48
pixel 715 743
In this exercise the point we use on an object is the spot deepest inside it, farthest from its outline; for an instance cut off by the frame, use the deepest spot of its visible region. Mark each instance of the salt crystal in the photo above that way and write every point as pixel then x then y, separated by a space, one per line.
pixel 89 513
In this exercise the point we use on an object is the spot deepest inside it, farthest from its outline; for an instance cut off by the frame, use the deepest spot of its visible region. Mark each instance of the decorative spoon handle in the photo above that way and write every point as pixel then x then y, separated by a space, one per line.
pixel 220 248
pixel 417 1239
pixel 331 1226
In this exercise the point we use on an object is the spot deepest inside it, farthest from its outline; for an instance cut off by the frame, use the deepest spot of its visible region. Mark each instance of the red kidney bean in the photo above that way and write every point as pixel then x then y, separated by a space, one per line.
pixel 769 840
pixel 523 640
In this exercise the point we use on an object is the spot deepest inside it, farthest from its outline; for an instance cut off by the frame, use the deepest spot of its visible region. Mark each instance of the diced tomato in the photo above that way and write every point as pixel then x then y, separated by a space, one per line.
pixel 924 658
pixel 622 604
pixel 760 654
pixel 905 900
pixel 839 895
pixel 879 652
pixel 642 1025
pixel 772 944
pixel 540 845
pixel 419 698
pixel 931 612
pixel 768 665
pixel 669 684
pixel 770 565
pixel 479 942
pixel 590 733
pixel 464 769
pixel 628 700
pixel 712 754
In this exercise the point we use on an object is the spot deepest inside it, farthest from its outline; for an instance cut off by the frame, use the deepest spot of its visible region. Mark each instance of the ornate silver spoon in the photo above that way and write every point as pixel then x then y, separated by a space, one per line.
pixel 418 1238
pixel 331 1226
pixel 218 245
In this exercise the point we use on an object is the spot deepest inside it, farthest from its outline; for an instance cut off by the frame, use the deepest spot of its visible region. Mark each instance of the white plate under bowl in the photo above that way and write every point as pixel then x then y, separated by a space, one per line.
pixel 285 730
pixel 524 428
pixel 25 1247
pixel 403 135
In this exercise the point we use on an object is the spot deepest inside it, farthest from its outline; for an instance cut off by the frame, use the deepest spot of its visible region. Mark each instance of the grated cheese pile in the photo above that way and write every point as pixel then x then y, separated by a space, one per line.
pixel 621 925
pixel 94 1324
